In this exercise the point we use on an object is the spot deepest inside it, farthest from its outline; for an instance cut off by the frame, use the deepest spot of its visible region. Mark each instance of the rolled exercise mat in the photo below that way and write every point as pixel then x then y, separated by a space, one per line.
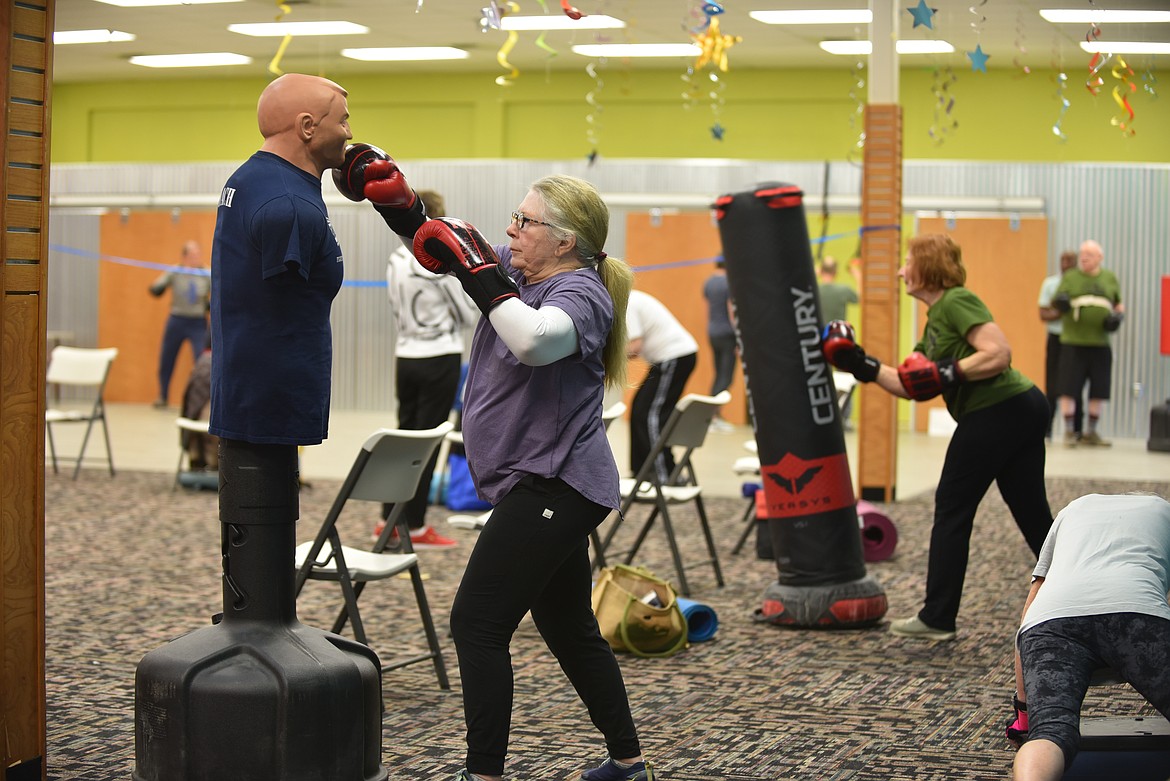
pixel 811 509
pixel 701 619
pixel 879 536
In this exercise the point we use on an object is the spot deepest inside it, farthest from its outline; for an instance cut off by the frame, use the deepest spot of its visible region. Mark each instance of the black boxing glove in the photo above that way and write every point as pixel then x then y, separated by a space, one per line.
pixel 350 177
pixel 446 244
pixel 1062 302
pixel 839 344
pixel 1113 321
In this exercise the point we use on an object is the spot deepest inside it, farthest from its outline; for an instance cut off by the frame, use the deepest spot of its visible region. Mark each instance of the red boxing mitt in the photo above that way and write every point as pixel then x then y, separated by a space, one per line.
pixel 924 379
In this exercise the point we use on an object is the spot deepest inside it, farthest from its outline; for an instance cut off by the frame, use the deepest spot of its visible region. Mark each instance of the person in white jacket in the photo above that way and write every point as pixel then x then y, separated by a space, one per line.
pixel 431 314
pixel 660 339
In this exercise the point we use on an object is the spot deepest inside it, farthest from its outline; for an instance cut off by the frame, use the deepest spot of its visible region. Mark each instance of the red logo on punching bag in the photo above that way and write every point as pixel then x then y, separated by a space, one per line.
pixel 794 486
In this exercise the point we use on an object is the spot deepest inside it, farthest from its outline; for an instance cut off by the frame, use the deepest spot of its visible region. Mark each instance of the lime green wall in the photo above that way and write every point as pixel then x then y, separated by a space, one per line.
pixel 768 115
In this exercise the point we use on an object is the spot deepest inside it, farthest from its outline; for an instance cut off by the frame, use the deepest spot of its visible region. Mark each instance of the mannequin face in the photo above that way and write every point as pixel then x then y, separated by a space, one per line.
pixel 331 134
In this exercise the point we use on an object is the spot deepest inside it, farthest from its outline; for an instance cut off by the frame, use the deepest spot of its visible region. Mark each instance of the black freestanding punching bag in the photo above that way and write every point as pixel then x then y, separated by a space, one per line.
pixel 258 696
pixel 803 466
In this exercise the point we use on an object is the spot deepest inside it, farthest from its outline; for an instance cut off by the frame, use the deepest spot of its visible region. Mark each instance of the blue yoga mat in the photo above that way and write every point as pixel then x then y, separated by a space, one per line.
pixel 701 620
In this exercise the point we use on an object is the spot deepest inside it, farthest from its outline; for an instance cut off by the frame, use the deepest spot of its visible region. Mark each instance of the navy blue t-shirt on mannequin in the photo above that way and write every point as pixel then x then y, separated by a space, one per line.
pixel 276 267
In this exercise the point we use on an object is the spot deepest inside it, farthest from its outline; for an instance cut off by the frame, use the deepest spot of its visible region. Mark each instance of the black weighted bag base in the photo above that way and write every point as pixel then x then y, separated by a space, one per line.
pixel 262 702
pixel 1135 748
pixel 852 605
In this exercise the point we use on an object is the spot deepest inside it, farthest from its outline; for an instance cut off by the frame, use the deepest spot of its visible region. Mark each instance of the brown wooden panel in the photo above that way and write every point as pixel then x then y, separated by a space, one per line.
pixel 25 85
pixel 22 246
pixel 32 22
pixel 23 214
pixel 25 149
pixel 670 238
pixel 26 182
pixel 131 319
pixel 28 54
pixel 26 117
pixel 21 528
pixel 992 246
pixel 24 278
pixel 881 204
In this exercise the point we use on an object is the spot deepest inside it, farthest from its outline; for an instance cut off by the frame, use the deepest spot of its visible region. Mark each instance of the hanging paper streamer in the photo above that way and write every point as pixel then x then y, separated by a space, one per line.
pixel 1021 68
pixel 1061 88
pixel 492 16
pixel 977 23
pixel 1123 73
pixel 593 118
pixel 1095 82
pixel 715 95
pixel 945 122
pixel 274 66
pixel 857 118
pixel 570 11
pixel 692 90
pixel 1149 80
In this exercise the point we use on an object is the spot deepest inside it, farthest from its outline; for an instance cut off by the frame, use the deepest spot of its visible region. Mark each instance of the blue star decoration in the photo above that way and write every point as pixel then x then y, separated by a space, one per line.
pixel 978 59
pixel 717 132
pixel 923 14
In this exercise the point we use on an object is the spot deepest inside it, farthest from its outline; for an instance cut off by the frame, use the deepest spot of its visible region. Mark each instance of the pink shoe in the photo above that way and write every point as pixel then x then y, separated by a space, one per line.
pixel 427 537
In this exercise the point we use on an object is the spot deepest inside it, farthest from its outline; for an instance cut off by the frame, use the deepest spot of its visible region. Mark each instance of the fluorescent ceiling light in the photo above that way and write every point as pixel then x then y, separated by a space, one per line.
pixel 1127 47
pixel 912 46
pixel 405 53
pixel 1100 16
pixel 279 29
pixel 62 37
pixel 561 22
pixel 203 60
pixel 146 3
pixel 637 50
pixel 832 16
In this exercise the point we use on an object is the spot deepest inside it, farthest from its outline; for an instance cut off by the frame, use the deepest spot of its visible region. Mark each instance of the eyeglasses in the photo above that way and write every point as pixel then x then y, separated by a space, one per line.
pixel 523 219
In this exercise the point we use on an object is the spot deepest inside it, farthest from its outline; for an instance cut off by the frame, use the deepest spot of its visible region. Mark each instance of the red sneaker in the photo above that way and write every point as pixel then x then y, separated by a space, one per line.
pixel 391 544
pixel 427 537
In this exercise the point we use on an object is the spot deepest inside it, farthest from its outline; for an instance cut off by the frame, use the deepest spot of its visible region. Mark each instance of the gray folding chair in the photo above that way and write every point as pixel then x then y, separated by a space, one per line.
pixel 83 368
pixel 386 470
pixel 686 428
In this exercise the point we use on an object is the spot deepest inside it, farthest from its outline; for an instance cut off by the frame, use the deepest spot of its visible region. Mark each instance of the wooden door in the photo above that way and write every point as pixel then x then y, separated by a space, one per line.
pixel 1006 259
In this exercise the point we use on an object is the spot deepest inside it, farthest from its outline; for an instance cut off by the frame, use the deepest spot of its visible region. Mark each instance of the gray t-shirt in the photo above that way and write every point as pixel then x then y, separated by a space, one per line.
pixel 542 420
pixel 1104 554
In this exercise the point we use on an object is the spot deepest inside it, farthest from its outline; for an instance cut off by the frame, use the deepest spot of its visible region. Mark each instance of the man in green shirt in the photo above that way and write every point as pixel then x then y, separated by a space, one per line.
pixel 1089 299
pixel 835 296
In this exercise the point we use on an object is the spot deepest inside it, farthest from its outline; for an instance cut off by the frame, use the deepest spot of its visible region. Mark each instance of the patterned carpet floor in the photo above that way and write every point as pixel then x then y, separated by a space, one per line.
pixel 132 564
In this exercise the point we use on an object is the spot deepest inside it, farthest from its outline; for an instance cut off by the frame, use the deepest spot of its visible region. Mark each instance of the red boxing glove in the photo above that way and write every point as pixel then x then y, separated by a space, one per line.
pixel 924 379
pixel 839 344
pixel 447 244
pixel 350 178
pixel 385 185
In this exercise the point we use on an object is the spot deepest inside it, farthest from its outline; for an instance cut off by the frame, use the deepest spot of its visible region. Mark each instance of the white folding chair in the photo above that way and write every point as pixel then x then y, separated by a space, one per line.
pixel 83 368
pixel 685 428
pixel 845 383
pixel 608 416
pixel 386 470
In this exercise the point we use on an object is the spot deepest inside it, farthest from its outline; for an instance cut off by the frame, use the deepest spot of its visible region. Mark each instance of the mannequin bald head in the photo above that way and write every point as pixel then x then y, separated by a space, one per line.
pixel 305 120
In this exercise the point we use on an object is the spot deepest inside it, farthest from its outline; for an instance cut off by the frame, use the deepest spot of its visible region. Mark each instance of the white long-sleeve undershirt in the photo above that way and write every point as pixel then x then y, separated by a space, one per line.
pixel 537 337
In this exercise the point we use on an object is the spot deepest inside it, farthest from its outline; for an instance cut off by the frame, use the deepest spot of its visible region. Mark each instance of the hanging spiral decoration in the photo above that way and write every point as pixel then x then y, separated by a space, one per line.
pixel 1123 73
pixel 1022 69
pixel 857 117
pixel 593 124
pixel 1097 62
pixel 945 122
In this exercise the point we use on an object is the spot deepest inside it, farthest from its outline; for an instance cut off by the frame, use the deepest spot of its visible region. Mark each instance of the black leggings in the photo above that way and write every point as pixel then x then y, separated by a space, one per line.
pixel 1003 443
pixel 533 555
pixel 1060 656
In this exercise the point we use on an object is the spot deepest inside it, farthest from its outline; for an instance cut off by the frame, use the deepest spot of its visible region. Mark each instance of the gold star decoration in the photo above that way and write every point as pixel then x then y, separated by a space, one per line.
pixel 714 46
